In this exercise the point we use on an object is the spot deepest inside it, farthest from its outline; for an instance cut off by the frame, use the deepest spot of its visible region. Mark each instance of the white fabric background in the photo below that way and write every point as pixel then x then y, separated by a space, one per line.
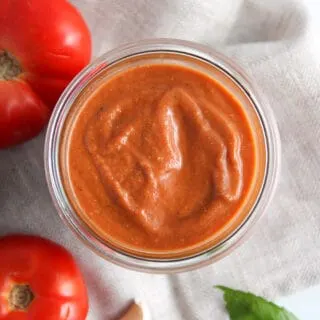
pixel 277 42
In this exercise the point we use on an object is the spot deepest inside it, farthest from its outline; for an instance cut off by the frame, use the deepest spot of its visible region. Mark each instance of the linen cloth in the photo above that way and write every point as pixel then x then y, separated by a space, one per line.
pixel 277 43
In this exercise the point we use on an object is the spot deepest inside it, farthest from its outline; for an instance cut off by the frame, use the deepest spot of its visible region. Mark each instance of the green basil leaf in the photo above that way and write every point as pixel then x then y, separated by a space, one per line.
pixel 247 306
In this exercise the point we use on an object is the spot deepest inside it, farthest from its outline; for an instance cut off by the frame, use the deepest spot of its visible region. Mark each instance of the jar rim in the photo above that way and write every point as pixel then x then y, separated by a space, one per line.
pixel 75 223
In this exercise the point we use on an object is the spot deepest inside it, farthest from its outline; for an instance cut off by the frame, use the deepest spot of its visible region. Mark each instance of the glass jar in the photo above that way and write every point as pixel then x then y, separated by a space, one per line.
pixel 216 66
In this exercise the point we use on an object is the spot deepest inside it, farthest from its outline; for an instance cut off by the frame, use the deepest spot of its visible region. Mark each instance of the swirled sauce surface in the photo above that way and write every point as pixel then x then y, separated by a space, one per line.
pixel 160 157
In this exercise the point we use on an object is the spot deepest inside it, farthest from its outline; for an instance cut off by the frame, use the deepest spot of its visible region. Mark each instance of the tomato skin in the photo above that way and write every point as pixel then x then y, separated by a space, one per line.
pixel 51 42
pixel 22 113
pixel 52 274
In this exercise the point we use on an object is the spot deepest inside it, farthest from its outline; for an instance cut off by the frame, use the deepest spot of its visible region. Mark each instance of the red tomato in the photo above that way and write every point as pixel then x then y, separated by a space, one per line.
pixel 43 45
pixel 39 280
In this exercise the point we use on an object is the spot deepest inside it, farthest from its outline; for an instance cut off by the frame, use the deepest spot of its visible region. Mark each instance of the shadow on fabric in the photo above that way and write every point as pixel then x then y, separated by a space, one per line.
pixel 266 22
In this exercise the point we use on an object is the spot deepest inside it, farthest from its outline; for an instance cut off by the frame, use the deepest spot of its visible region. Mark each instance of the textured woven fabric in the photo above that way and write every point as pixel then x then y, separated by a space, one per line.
pixel 277 43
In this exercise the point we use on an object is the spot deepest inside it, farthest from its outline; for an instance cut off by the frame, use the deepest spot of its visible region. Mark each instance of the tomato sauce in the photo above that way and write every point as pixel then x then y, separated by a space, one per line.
pixel 160 157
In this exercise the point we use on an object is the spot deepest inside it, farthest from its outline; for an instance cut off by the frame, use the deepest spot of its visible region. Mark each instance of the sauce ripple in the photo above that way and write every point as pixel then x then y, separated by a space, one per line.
pixel 160 157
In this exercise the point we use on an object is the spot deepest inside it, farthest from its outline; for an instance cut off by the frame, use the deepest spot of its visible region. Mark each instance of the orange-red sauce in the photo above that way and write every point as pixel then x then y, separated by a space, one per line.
pixel 160 157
